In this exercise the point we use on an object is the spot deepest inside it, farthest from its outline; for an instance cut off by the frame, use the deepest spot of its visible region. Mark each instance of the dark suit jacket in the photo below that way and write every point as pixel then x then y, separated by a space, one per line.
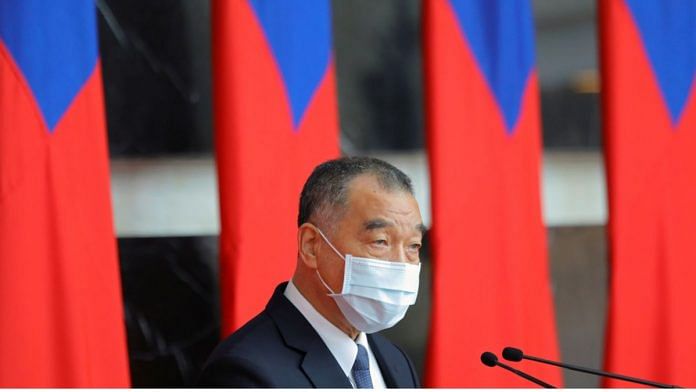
pixel 279 348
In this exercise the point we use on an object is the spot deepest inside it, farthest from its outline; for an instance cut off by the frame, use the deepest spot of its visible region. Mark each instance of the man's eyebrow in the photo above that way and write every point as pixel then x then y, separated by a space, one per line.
pixel 375 224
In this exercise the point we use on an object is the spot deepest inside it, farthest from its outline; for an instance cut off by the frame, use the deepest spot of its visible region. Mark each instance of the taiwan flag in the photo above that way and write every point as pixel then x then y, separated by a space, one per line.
pixel 491 285
pixel 648 62
pixel 61 312
pixel 276 118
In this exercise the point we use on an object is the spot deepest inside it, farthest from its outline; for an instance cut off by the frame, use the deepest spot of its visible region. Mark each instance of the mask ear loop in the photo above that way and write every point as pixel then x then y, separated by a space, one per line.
pixel 335 250
pixel 324 283
pixel 330 244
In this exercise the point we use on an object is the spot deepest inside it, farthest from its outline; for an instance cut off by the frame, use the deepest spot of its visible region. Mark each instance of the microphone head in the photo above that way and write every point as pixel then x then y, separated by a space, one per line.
pixel 513 354
pixel 489 359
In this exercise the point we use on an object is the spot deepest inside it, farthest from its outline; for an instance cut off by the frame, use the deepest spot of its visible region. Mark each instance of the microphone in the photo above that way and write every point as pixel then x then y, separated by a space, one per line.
pixel 491 360
pixel 516 355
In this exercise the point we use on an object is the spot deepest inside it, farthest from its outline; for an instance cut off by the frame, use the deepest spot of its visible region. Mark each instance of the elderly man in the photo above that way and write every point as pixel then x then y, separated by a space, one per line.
pixel 359 236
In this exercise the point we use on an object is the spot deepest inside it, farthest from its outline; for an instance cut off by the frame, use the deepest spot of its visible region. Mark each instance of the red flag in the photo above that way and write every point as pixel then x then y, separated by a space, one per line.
pixel 490 274
pixel 648 65
pixel 276 118
pixel 61 316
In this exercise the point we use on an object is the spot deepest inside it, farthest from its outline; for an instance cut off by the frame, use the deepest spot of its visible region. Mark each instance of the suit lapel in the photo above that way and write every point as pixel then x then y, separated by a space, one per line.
pixel 393 376
pixel 318 363
pixel 321 367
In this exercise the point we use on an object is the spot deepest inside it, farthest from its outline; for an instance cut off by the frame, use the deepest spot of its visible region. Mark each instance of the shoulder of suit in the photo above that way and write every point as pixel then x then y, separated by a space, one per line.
pixel 247 340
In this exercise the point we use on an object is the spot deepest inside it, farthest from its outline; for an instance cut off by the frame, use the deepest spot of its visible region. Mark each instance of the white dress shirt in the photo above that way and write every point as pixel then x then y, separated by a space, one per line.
pixel 342 347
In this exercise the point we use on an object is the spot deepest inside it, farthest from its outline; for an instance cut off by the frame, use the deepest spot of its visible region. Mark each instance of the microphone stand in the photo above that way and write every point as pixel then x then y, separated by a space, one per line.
pixel 600 373
pixel 491 360
pixel 525 375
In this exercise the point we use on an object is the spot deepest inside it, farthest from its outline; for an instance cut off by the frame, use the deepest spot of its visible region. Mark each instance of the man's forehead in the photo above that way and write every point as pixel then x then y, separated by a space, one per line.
pixel 377 206
pixel 368 187
pixel 365 181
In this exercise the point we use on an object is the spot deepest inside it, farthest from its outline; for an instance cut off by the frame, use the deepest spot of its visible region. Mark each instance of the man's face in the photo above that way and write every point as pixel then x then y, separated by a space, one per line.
pixel 376 224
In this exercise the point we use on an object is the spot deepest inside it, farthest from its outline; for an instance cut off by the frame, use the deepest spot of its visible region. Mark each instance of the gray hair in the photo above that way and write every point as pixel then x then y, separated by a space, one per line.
pixel 326 188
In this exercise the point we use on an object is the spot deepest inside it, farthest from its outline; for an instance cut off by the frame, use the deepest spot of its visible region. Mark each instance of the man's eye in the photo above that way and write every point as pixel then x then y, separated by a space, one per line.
pixel 415 247
pixel 380 242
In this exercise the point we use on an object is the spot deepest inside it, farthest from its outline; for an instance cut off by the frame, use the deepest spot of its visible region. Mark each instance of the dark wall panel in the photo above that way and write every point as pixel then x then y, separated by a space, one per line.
pixel 157 76
pixel 171 304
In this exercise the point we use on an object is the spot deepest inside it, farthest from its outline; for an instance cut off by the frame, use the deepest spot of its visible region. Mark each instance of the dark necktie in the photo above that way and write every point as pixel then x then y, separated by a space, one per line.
pixel 361 369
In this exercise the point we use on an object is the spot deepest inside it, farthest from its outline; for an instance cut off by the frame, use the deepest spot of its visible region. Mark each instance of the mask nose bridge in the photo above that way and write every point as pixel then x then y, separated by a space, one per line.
pixel 400 255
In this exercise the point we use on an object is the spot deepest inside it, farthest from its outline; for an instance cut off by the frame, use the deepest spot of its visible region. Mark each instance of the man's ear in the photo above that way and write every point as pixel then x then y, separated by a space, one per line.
pixel 308 244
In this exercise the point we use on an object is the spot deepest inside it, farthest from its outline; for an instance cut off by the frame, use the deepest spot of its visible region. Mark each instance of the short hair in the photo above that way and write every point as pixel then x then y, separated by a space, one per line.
pixel 327 186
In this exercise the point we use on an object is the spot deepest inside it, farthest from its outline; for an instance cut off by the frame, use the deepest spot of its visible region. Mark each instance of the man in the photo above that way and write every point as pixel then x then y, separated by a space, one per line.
pixel 359 236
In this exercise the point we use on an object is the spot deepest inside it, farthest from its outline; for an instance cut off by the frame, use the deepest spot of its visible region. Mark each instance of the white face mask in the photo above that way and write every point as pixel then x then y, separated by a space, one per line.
pixel 376 294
